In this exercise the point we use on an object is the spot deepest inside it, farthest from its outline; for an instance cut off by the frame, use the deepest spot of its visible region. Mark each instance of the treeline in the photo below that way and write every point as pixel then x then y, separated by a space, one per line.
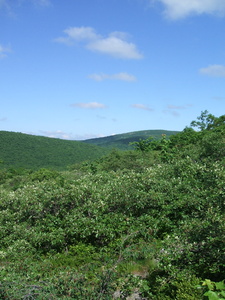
pixel 141 224
pixel 124 141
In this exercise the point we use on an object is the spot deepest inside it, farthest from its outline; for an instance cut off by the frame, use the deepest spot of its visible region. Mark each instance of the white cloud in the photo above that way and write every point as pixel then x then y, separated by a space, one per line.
pixel 119 76
pixel 116 47
pixel 90 105
pixel 142 106
pixel 4 51
pixel 59 134
pixel 175 9
pixel 213 70
pixel 81 33
pixel 115 44
pixel 88 136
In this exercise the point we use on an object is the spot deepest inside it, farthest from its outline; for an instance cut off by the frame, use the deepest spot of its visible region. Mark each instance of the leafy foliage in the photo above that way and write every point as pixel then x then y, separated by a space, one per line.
pixel 145 224
pixel 207 121
pixel 216 290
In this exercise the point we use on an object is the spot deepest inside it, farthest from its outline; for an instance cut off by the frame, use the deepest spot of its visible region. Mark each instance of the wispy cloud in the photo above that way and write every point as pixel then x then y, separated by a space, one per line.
pixel 142 106
pixel 3 3
pixel 171 112
pixel 3 119
pixel 174 110
pixel 81 33
pixel 87 136
pixel 89 105
pixel 4 51
pixel 42 2
pixel 218 98
pixel 176 9
pixel 116 44
pixel 170 106
pixel 10 5
pixel 101 117
pixel 213 70
pixel 119 76
pixel 59 134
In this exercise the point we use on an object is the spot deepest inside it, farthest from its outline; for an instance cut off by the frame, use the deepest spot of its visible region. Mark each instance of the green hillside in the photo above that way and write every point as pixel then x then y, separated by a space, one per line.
pixel 122 141
pixel 142 224
pixel 19 150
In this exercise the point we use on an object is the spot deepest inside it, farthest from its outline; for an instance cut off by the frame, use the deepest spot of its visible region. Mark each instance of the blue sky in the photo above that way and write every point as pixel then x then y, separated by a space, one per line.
pixel 79 69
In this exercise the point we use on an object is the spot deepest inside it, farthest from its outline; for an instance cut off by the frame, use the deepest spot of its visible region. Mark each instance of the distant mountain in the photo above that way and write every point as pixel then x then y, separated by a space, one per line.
pixel 122 141
pixel 19 150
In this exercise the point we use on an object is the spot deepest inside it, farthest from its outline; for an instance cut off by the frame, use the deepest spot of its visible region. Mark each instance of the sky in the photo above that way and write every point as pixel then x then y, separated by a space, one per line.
pixel 80 69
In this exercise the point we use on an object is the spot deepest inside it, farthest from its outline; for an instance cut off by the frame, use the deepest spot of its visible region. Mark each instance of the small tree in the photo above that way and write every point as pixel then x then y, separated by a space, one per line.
pixel 207 121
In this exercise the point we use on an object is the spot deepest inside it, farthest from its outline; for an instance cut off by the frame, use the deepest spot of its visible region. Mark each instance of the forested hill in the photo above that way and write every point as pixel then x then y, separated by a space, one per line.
pixel 19 150
pixel 122 141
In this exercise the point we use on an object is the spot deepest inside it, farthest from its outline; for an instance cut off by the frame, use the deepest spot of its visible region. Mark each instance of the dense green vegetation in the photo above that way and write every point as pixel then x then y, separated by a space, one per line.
pixel 147 223
pixel 123 141
pixel 18 150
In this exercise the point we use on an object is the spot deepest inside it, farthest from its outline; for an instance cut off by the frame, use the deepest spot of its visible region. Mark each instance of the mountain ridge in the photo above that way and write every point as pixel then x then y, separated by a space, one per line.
pixel 123 140
pixel 21 150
